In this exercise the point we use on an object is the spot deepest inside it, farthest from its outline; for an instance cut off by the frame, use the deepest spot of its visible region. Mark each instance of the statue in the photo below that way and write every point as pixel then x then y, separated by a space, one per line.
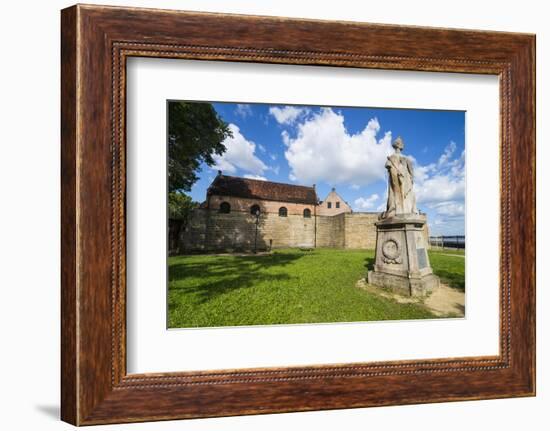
pixel 401 198
pixel 401 261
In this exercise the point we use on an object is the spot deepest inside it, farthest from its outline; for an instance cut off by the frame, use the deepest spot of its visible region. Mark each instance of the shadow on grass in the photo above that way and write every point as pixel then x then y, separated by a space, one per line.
pixel 223 274
pixel 369 263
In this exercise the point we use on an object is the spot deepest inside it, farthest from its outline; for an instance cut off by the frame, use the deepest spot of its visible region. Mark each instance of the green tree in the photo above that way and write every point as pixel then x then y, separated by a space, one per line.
pixel 195 134
pixel 180 206
pixel 179 210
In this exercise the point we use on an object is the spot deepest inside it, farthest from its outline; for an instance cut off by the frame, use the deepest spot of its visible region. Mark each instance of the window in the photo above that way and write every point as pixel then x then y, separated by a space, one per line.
pixel 337 204
pixel 283 212
pixel 225 208
pixel 307 213
pixel 255 210
pixel 329 205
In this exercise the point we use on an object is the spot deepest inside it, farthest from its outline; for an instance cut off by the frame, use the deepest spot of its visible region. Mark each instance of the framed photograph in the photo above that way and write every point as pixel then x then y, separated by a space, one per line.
pixel 264 215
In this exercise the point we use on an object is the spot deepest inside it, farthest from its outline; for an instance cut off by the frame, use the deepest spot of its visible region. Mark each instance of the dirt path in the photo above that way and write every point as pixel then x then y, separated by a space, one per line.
pixel 443 301
pixel 446 301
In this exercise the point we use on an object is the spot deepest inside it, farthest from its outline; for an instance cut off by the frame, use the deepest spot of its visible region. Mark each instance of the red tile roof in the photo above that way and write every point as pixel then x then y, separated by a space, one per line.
pixel 225 185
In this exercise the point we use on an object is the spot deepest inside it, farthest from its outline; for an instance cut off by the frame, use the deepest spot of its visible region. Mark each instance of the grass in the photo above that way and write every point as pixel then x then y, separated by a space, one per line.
pixel 287 286
pixel 449 266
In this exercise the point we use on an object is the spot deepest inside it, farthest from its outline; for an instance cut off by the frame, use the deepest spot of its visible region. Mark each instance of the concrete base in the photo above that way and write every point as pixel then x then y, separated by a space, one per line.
pixel 421 286
pixel 402 263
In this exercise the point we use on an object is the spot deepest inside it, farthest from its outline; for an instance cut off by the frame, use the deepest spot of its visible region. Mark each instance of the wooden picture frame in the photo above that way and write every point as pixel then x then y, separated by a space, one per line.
pixel 95 43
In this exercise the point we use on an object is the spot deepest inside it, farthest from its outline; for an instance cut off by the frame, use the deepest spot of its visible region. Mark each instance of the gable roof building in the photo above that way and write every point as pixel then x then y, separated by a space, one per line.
pixel 333 204
pixel 225 185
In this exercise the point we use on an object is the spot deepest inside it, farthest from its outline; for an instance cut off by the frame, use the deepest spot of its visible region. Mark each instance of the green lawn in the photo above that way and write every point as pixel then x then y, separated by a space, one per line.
pixel 449 265
pixel 287 286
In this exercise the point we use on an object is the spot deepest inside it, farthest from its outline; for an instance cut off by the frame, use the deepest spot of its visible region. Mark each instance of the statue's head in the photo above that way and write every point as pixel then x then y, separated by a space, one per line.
pixel 398 143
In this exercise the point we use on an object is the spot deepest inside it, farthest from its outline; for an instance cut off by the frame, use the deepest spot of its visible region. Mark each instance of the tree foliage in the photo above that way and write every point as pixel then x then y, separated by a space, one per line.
pixel 195 134
pixel 180 206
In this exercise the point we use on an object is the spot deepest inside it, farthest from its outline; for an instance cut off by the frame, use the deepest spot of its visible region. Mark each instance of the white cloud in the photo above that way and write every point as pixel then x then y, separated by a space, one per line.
pixel 441 187
pixel 369 203
pixel 261 148
pixel 239 154
pixel 288 114
pixel 450 209
pixel 255 177
pixel 243 110
pixel 286 137
pixel 442 181
pixel 447 154
pixel 323 150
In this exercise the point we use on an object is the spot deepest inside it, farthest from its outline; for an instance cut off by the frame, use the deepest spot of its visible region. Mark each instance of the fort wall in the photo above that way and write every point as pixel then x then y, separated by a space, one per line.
pixel 330 231
pixel 210 230
pixel 360 230
pixel 289 216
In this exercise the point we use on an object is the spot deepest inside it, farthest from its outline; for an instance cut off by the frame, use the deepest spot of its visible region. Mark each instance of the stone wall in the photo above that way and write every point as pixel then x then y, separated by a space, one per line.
pixel 304 226
pixel 291 231
pixel 331 231
pixel 209 230
pixel 194 236
pixel 360 230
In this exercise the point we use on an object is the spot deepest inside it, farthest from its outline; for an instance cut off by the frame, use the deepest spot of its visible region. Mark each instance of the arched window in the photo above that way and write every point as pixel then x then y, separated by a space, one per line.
pixel 225 208
pixel 307 213
pixel 283 212
pixel 255 210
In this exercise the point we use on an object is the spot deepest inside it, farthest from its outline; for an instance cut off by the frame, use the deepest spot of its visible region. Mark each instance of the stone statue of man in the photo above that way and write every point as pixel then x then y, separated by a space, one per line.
pixel 401 198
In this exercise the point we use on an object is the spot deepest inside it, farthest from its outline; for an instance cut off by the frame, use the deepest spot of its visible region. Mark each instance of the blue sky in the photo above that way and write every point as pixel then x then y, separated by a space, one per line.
pixel 346 148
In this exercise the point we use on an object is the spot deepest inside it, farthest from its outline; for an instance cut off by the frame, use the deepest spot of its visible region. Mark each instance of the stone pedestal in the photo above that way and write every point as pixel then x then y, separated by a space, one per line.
pixel 402 263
